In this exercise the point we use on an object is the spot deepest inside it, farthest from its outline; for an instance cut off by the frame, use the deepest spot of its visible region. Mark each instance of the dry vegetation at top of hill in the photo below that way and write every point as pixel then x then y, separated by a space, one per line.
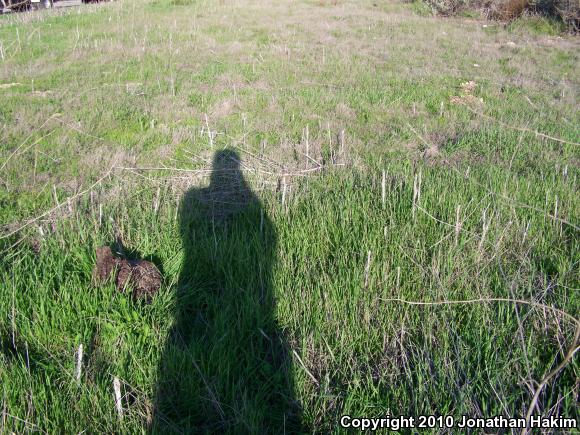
pixel 567 11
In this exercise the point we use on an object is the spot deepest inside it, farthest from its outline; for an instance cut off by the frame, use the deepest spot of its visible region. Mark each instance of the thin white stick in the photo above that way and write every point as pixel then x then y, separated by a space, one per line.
pixel 283 190
pixel 486 222
pixel 526 231
pixel 79 362
pixel 209 135
pixel 329 138
pixel 368 269
pixel 419 187
pixel 458 223
pixel 384 188
pixel 414 196
pixel 307 142
pixel 54 194
pixel 117 391
pixel 416 193
pixel 156 200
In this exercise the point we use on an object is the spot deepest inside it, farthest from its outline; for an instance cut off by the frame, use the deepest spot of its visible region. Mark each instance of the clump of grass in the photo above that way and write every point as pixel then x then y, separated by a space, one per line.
pixel 537 24
pixel 421 8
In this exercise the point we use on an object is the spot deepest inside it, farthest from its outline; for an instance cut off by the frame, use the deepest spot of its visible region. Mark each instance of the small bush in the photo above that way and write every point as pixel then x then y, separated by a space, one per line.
pixel 447 7
pixel 569 12
pixel 566 11
pixel 421 8
pixel 508 9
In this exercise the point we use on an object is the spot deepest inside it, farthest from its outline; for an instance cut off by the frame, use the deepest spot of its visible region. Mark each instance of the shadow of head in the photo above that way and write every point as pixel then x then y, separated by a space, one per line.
pixel 227 193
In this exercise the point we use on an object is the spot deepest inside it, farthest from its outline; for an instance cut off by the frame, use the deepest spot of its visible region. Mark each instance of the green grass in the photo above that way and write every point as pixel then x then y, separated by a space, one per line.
pixel 538 24
pixel 282 317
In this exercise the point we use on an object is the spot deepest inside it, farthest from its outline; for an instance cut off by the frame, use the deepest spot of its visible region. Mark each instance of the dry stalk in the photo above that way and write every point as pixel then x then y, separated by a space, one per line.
pixel 384 189
pixel 368 269
pixel 416 192
pixel 458 223
pixel 307 142
pixel 308 372
pixel 118 398
pixel 79 368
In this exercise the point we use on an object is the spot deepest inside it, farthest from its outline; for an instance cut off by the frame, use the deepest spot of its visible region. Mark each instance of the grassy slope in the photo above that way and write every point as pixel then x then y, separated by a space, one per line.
pixel 133 84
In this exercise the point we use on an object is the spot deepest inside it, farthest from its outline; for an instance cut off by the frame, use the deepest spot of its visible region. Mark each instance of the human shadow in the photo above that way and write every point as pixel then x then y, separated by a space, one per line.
pixel 225 367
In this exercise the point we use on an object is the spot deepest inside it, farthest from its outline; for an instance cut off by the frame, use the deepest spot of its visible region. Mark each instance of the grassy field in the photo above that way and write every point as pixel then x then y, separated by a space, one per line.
pixel 302 172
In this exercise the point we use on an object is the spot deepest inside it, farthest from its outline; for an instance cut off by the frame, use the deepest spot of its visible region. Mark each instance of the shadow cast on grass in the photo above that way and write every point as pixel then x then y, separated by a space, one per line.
pixel 225 367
